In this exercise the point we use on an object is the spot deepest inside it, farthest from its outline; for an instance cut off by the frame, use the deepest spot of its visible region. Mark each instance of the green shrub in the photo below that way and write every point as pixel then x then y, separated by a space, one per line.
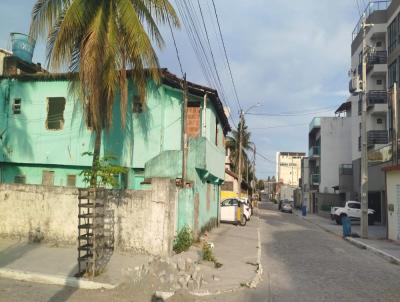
pixel 208 253
pixel 183 240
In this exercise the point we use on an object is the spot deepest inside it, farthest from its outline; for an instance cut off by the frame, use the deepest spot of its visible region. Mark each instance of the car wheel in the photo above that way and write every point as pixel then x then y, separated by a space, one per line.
pixel 243 221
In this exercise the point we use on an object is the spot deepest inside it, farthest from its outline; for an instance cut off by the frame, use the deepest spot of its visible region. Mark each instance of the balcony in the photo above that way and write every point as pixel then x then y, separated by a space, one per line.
pixel 377 101
pixel 207 159
pixel 314 151
pixel 315 179
pixel 376 64
pixel 377 137
pixel 372 7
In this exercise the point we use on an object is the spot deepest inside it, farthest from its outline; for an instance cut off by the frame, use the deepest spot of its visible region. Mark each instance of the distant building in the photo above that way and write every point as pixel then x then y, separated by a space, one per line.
pixel 288 167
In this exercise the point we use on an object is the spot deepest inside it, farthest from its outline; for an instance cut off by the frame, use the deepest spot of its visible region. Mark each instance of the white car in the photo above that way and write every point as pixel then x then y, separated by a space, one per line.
pixel 229 208
pixel 352 209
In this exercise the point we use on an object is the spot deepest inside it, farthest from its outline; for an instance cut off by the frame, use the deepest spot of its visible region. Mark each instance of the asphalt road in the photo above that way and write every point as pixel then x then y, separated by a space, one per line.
pixel 301 262
pixel 304 263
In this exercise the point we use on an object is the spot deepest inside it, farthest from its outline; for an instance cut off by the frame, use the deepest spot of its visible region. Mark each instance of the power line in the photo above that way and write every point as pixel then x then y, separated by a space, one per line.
pixel 280 126
pixel 291 114
pixel 209 45
pixel 266 158
pixel 196 38
pixel 226 55
pixel 173 38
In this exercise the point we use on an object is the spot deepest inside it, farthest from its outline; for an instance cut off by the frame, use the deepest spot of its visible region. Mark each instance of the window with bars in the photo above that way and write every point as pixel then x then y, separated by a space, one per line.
pixel 55 113
pixel 20 179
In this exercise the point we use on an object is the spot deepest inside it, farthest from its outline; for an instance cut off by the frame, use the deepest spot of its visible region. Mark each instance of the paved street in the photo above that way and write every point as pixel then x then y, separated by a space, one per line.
pixel 301 262
pixel 304 263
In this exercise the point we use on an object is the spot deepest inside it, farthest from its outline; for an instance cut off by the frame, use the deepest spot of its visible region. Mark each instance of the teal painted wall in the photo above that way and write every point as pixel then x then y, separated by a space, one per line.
pixel 149 144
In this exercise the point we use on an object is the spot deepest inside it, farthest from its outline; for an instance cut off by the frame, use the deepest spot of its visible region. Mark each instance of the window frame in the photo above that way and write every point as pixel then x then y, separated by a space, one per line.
pixel 62 120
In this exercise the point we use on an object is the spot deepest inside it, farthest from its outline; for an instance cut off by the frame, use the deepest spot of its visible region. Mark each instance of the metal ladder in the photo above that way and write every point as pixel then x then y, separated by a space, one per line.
pixel 91 239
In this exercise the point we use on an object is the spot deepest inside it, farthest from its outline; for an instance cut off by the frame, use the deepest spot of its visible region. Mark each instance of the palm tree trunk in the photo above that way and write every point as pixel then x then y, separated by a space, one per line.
pixel 96 156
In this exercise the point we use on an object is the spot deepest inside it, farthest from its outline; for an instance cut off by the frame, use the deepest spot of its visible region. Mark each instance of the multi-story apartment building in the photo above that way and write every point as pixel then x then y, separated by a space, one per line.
pixel 378 115
pixel 288 167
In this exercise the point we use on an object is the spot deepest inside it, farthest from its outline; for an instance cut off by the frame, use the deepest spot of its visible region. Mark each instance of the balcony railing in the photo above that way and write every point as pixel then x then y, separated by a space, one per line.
pixel 377 57
pixel 315 151
pixel 372 7
pixel 376 97
pixel 346 169
pixel 315 179
pixel 377 137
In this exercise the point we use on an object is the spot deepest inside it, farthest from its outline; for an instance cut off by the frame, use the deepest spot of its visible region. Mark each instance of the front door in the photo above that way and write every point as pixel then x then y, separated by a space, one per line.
pixel 374 203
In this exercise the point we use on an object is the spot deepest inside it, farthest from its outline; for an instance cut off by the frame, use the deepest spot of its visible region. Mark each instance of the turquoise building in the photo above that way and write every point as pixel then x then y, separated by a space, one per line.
pixel 43 135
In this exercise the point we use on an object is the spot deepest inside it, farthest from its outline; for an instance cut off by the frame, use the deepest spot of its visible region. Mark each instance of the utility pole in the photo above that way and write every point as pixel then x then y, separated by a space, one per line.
pixel 364 138
pixel 184 131
pixel 240 153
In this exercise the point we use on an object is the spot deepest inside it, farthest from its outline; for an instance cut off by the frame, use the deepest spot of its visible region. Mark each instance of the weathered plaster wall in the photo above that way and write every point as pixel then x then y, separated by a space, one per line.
pixel 393 196
pixel 144 221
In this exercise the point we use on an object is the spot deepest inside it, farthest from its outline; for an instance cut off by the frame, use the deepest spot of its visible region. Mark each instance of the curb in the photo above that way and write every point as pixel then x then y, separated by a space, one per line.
pixel 362 245
pixel 53 280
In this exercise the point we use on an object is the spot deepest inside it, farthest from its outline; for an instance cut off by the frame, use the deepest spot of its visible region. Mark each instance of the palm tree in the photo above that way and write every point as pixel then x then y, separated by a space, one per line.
pixel 232 142
pixel 99 41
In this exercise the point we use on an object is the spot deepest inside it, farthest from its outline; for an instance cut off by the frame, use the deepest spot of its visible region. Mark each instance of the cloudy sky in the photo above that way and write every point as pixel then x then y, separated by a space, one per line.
pixel 291 56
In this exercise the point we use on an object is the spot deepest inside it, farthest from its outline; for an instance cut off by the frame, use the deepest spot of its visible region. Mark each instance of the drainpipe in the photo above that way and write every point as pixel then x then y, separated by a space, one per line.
pixel 205 115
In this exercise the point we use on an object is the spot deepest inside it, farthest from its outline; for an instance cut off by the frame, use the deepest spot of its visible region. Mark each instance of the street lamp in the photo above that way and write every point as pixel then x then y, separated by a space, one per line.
pixel 240 144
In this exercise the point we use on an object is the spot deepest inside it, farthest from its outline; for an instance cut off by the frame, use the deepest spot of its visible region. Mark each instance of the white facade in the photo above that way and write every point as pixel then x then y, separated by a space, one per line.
pixel 377 114
pixel 288 167
pixel 335 150
pixel 330 147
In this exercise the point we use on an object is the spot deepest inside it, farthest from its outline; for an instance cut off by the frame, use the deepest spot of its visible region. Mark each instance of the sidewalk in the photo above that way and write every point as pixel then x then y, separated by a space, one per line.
pixel 238 250
pixel 376 233
pixel 58 265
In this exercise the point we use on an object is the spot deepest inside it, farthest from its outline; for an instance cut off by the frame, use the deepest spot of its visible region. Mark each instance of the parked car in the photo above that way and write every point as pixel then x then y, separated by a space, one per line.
pixel 287 207
pixel 352 209
pixel 229 209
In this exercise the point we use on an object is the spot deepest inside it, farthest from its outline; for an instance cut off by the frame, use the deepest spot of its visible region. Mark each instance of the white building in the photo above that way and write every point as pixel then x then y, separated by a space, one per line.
pixel 329 149
pixel 378 116
pixel 288 167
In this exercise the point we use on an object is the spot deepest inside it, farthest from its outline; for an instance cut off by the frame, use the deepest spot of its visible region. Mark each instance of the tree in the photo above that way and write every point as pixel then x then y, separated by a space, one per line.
pixel 99 41
pixel 232 142
pixel 260 185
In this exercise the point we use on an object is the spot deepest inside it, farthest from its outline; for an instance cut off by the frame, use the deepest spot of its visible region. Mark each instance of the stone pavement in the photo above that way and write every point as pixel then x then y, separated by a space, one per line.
pixel 376 233
pixel 58 265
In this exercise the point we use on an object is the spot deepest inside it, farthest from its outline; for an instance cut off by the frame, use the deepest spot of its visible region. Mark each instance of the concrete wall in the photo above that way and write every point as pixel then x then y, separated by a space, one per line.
pixel 393 199
pixel 144 220
pixel 335 150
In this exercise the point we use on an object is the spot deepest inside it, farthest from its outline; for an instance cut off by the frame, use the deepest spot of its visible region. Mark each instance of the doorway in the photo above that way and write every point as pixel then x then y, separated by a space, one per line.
pixel 375 203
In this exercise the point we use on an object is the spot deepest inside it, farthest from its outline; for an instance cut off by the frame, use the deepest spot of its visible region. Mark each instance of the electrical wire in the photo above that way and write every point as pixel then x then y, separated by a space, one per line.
pixel 226 55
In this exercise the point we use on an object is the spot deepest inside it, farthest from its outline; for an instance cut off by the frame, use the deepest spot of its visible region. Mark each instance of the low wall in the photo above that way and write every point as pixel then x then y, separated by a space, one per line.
pixel 143 221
